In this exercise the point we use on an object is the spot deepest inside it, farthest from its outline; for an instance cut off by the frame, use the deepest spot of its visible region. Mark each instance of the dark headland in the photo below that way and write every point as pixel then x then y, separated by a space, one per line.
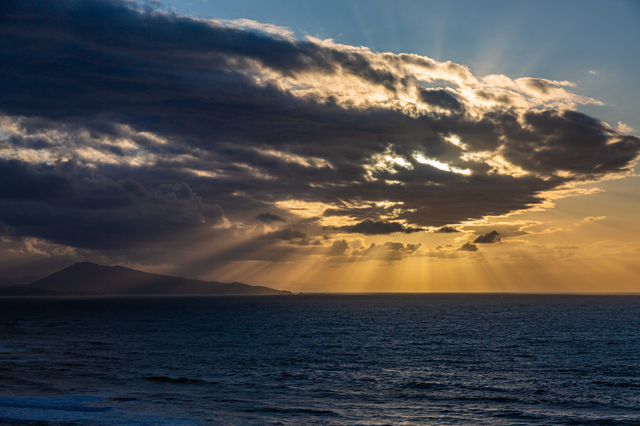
pixel 91 279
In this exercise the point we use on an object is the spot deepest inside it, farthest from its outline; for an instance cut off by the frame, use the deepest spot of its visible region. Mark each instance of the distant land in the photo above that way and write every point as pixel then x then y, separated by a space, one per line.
pixel 18 281
pixel 91 279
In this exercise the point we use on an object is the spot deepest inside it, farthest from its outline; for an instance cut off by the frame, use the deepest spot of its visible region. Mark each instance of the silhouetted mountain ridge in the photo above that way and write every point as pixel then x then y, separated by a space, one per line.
pixel 90 278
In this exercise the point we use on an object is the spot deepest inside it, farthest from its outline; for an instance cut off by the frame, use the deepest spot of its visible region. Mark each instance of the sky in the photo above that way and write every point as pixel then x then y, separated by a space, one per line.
pixel 325 146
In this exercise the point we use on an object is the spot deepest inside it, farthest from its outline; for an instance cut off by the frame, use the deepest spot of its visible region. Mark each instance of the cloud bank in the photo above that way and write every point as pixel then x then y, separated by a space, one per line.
pixel 123 127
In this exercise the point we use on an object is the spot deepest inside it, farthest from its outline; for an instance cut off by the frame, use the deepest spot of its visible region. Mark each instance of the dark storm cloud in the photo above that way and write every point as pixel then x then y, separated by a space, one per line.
pixel 446 230
pixel 76 207
pixel 19 181
pixel 268 217
pixel 490 238
pixel 123 53
pixel 378 227
pixel 208 121
pixel 569 141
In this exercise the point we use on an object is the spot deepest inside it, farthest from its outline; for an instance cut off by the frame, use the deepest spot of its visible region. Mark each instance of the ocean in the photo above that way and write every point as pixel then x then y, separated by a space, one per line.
pixel 392 359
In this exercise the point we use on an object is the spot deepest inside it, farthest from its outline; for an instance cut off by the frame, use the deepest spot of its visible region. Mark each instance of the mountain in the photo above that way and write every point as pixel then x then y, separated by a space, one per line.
pixel 18 281
pixel 89 278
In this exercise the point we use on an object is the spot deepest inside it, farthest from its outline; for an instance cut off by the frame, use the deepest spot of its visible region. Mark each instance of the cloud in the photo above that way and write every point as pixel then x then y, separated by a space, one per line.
pixel 590 219
pixel 152 126
pixel 544 88
pixel 20 181
pixel 389 251
pixel 572 143
pixel 268 217
pixel 399 246
pixel 490 238
pixel 338 248
pixel 550 230
pixel 468 247
pixel 178 191
pixel 506 229
pixel 441 98
pixel 74 206
pixel 623 128
pixel 446 230
pixel 378 227
pixel 259 26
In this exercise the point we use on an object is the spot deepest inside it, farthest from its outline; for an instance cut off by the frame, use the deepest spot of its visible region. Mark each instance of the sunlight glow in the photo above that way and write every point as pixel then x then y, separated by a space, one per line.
pixel 440 165
pixel 455 140
pixel 400 161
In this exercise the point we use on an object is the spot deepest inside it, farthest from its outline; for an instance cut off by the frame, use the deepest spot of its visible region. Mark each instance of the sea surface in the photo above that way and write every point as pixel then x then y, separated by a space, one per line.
pixel 321 360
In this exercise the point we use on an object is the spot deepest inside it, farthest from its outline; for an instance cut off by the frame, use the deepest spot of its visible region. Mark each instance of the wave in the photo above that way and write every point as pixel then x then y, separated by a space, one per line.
pixel 178 380
pixel 424 386
pixel 292 411
pixel 73 403
pixel 78 410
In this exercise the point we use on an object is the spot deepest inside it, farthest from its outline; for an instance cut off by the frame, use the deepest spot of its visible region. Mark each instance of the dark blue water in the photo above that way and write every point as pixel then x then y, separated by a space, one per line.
pixel 325 360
